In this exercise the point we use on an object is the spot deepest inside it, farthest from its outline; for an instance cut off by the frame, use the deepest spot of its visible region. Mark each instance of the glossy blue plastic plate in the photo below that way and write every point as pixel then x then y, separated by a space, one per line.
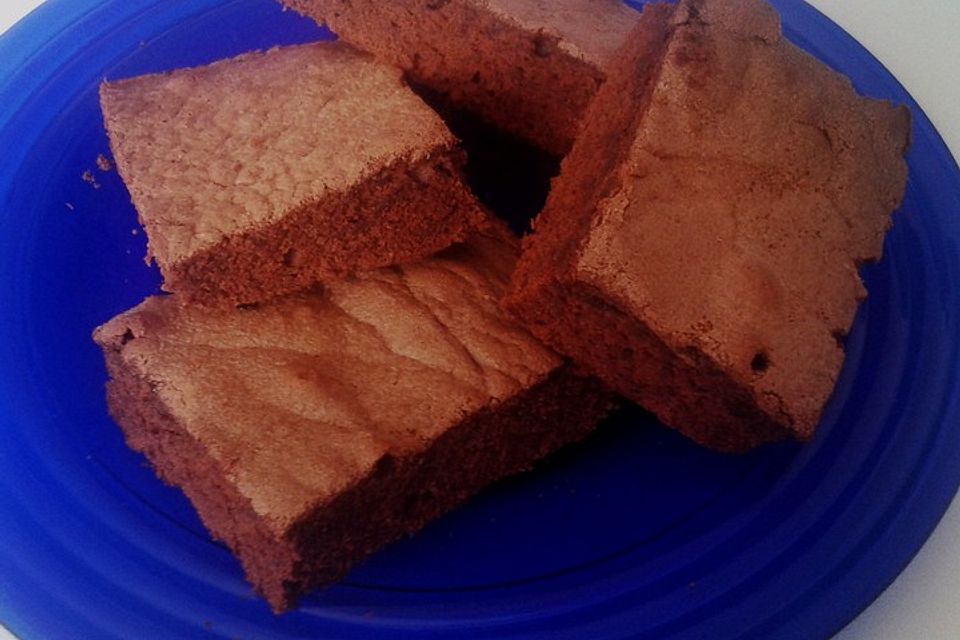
pixel 637 534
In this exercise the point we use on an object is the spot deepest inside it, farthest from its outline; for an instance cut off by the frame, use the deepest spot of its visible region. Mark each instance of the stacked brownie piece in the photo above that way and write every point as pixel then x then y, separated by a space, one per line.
pixel 352 345
pixel 264 174
pixel 700 250
pixel 530 67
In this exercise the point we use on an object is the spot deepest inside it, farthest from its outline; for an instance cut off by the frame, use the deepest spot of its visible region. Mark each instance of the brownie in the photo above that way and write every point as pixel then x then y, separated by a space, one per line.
pixel 527 66
pixel 312 430
pixel 263 174
pixel 700 250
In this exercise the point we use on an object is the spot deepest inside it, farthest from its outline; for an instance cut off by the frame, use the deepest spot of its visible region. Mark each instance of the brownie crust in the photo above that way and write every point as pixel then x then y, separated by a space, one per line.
pixel 700 250
pixel 260 175
pixel 401 495
pixel 403 213
pixel 526 66
pixel 312 430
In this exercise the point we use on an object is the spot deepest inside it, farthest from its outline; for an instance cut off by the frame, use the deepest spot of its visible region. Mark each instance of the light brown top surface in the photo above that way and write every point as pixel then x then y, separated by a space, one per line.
pixel 301 398
pixel 756 183
pixel 591 30
pixel 217 150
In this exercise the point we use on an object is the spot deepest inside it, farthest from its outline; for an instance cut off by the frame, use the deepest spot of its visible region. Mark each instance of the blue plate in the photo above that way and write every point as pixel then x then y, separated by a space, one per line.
pixel 636 534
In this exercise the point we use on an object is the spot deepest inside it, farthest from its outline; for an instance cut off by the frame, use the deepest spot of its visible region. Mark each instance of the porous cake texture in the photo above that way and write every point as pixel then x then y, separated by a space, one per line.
pixel 263 174
pixel 700 250
pixel 311 431
pixel 530 67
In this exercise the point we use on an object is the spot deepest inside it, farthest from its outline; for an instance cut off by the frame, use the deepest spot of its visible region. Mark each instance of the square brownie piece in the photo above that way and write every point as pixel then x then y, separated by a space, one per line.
pixel 263 174
pixel 700 250
pixel 311 431
pixel 528 67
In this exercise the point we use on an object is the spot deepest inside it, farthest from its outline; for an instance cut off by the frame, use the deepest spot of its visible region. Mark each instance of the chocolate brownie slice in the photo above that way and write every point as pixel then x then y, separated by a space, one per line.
pixel 260 175
pixel 529 67
pixel 700 249
pixel 311 431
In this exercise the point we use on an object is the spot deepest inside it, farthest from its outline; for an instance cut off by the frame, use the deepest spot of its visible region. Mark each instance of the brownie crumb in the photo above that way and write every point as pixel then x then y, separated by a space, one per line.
pixel 90 179
pixel 104 164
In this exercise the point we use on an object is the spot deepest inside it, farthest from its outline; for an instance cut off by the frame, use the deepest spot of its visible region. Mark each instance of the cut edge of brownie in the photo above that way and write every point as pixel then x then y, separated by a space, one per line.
pixel 607 339
pixel 532 110
pixel 601 148
pixel 402 495
pixel 182 461
pixel 544 288
pixel 403 212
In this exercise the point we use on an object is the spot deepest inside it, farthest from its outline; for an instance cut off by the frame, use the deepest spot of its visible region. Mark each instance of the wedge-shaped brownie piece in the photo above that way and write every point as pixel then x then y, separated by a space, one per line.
pixel 529 67
pixel 700 249
pixel 260 175
pixel 313 430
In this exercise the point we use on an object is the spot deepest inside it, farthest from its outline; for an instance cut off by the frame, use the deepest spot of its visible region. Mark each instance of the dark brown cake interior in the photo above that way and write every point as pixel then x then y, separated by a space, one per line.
pixel 400 498
pixel 526 79
pixel 402 213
